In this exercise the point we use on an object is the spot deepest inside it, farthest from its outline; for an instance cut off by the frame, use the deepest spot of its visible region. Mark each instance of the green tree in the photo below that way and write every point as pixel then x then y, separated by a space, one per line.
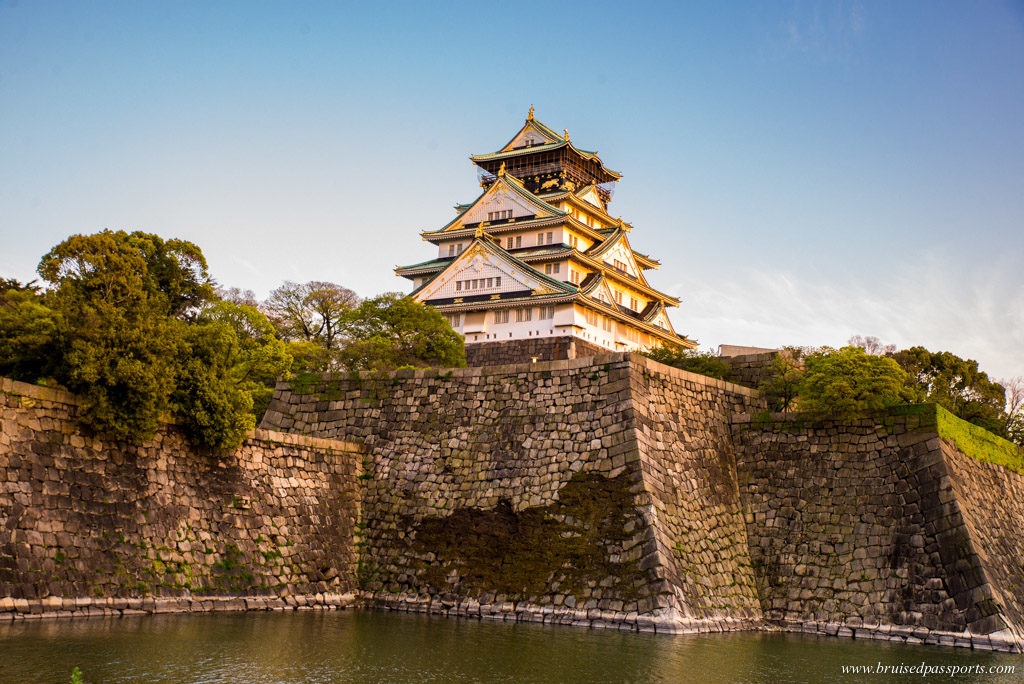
pixel 847 380
pixel 786 375
pixel 677 356
pixel 122 297
pixel 391 331
pixel 956 384
pixel 28 333
pixel 310 357
pixel 311 312
pixel 135 330
pixel 214 409
pixel 253 356
pixel 168 276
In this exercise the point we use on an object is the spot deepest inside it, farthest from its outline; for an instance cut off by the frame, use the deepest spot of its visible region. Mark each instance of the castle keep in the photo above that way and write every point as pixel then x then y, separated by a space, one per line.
pixel 535 268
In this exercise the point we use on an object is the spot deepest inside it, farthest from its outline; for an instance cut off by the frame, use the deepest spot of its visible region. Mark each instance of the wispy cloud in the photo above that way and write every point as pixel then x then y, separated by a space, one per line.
pixel 823 28
pixel 929 302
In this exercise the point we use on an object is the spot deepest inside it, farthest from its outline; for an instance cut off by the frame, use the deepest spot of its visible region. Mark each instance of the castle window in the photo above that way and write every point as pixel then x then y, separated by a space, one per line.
pixel 523 315
pixel 618 297
pixel 508 243
pixel 540 238
pixel 474 281
pixel 490 282
pixel 458 285
pixel 451 250
pixel 460 248
pixel 454 320
pixel 546 313
pixel 519 241
pixel 497 282
pixel 619 265
pixel 607 324
pixel 633 304
pixel 501 316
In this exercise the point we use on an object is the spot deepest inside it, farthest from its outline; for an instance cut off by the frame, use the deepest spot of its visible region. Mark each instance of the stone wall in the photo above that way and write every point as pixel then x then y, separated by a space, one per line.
pixel 752 370
pixel 689 468
pixel 991 501
pixel 524 351
pixel 83 517
pixel 522 491
pixel 616 490
pixel 608 491
pixel 858 527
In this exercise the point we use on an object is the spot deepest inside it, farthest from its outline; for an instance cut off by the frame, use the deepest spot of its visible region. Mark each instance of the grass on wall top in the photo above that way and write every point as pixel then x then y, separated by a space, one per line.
pixel 979 443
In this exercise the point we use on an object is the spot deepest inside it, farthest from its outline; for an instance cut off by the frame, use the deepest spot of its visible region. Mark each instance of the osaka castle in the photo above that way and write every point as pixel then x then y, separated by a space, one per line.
pixel 536 268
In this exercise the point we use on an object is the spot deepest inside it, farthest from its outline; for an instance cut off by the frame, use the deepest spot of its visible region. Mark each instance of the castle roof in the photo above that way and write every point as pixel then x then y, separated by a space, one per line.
pixel 507 182
pixel 526 142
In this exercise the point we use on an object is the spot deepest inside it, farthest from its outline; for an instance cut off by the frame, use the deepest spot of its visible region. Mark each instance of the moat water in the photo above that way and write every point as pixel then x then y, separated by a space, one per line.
pixel 358 646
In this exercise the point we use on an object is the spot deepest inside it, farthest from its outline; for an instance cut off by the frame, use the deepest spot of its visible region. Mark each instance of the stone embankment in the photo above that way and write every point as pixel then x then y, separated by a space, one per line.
pixel 602 492
pixel 865 528
pixel 523 491
pixel 12 609
pixel 88 520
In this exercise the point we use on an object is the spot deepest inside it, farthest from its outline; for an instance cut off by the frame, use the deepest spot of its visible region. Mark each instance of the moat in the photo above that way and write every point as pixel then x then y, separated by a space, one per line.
pixel 366 646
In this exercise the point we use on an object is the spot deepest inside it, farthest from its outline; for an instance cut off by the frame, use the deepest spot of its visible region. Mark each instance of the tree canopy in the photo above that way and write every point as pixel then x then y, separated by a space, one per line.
pixel 956 384
pixel 677 356
pixel 132 325
pixel 392 331
pixel 311 312
pixel 28 332
pixel 782 387
pixel 847 380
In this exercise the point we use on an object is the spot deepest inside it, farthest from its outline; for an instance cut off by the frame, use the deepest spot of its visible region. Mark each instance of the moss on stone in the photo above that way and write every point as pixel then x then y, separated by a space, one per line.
pixel 977 442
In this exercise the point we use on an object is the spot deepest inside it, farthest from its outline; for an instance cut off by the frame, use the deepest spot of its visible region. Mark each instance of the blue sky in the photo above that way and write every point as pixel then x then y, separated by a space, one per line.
pixel 805 171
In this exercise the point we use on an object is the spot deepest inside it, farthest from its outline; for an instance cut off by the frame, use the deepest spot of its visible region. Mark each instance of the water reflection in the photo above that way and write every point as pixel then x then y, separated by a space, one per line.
pixel 382 647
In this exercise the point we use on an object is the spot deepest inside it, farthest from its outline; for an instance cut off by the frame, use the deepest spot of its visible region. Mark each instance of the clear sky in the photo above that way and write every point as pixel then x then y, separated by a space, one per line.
pixel 805 171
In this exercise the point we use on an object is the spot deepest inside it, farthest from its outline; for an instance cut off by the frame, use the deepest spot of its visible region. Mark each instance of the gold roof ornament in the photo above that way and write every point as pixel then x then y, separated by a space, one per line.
pixel 501 169
pixel 529 117
pixel 565 133
pixel 479 232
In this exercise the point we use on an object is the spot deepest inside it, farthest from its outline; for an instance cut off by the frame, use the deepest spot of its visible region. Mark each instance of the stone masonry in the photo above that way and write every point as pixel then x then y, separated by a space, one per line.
pixel 847 528
pixel 753 370
pixel 603 492
pixel 522 491
pixel 524 351
pixel 105 527
pixel 865 527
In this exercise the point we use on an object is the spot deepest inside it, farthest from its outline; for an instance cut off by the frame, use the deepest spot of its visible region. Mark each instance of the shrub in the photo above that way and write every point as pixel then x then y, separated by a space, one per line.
pixel 702 363
pixel 848 380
